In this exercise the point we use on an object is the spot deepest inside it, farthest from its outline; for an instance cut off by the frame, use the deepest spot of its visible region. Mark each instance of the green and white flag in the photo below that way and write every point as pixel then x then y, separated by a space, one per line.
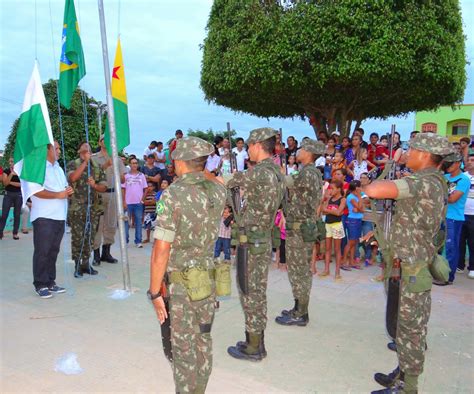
pixel 32 138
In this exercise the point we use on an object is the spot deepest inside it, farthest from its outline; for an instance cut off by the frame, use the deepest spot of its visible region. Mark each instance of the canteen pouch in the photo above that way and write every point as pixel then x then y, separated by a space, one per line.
pixel 309 231
pixel 276 237
pixel 223 281
pixel 242 256
pixel 258 241
pixel 439 268
pixel 416 277
pixel 197 282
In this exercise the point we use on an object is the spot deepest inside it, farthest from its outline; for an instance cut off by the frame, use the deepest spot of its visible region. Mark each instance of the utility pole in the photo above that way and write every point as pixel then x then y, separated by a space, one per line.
pixel 115 159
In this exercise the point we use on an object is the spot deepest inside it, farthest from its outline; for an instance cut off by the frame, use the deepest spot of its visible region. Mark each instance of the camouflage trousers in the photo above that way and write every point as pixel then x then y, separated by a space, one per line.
pixel 107 221
pixel 254 304
pixel 413 315
pixel 298 259
pixel 82 236
pixel 191 340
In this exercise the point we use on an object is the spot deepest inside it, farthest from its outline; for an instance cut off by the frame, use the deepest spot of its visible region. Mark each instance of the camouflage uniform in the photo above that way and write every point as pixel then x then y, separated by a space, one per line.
pixel 81 236
pixel 411 238
pixel 305 192
pixel 188 216
pixel 263 188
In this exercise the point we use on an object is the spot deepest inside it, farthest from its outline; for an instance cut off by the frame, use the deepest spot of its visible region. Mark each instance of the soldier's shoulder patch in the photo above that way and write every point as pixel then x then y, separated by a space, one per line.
pixel 160 207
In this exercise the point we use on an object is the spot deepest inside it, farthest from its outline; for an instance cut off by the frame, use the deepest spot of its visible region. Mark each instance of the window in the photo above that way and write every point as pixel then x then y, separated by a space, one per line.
pixel 460 129
pixel 429 128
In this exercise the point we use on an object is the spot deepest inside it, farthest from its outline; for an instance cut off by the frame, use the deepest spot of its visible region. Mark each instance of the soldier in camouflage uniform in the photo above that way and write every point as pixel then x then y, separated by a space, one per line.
pixel 412 240
pixel 263 191
pixel 305 192
pixel 84 218
pixel 187 225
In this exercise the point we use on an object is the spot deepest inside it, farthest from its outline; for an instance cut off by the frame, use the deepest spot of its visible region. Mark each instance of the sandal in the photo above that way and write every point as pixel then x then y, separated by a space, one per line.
pixel 16 237
pixel 24 231
pixel 325 273
pixel 346 268
pixel 338 278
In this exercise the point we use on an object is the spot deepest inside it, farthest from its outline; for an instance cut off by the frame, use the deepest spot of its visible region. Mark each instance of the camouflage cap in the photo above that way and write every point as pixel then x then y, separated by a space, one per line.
pixel 262 134
pixel 453 157
pixel 312 146
pixel 190 148
pixel 432 143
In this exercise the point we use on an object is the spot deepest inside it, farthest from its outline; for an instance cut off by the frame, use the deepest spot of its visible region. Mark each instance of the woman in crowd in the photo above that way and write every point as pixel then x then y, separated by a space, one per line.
pixel 12 198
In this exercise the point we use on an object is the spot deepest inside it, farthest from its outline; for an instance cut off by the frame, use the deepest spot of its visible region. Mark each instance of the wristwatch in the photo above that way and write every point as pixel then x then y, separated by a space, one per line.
pixel 152 296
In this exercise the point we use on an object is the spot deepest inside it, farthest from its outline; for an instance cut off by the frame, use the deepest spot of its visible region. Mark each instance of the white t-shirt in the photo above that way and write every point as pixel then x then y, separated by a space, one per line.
pixel 160 155
pixel 469 207
pixel 51 208
pixel 149 151
pixel 320 162
pixel 212 162
pixel 240 157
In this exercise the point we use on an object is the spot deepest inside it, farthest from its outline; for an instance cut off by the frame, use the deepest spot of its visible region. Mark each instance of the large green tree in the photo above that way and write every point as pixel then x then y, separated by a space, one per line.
pixel 334 62
pixel 72 122
pixel 209 135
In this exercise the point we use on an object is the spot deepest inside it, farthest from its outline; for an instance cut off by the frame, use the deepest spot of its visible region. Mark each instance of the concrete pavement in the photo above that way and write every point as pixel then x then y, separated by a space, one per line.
pixel 118 342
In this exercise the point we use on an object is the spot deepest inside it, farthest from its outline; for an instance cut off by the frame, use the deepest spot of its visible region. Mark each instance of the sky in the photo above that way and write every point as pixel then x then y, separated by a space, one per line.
pixel 162 57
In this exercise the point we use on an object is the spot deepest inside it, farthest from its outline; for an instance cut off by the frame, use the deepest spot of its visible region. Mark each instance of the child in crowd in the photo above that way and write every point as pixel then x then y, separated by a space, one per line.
pixel 291 167
pixel 150 209
pixel 223 240
pixel 353 224
pixel 333 207
pixel 345 145
pixel 382 153
pixel 367 240
pixel 163 185
pixel 224 166
pixel 360 164
pixel 337 163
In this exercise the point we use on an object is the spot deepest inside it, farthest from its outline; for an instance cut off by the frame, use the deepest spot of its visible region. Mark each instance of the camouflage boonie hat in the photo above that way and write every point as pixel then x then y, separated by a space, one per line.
pixel 190 148
pixel 431 143
pixel 312 146
pixel 262 134
pixel 453 157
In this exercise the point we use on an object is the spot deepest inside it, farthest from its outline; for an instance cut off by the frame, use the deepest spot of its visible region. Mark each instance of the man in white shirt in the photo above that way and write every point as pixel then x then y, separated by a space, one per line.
pixel 241 154
pixel 160 161
pixel 467 232
pixel 150 150
pixel 48 215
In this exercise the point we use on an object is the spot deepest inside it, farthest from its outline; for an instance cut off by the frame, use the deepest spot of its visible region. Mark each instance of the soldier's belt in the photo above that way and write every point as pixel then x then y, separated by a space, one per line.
pixel 293 225
pixel 180 277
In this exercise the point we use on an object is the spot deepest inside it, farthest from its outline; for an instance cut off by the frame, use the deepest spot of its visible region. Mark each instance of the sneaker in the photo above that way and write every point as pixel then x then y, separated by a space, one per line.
pixel 470 275
pixel 459 270
pixel 139 245
pixel 57 289
pixel 44 292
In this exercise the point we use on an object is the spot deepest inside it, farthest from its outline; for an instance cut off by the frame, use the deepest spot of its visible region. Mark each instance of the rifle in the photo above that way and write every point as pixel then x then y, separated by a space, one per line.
pixel 166 326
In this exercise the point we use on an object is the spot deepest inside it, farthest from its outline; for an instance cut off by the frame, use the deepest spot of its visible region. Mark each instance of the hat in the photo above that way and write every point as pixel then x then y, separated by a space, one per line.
pixel 431 143
pixel 453 157
pixel 190 148
pixel 262 134
pixel 312 146
pixel 336 133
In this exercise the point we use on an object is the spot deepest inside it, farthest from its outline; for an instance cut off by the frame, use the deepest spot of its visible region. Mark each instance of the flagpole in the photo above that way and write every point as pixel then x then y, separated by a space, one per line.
pixel 115 159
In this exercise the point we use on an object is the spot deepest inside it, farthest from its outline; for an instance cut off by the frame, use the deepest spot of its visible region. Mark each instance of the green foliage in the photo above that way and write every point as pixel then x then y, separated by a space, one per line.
pixel 335 61
pixel 72 122
pixel 209 135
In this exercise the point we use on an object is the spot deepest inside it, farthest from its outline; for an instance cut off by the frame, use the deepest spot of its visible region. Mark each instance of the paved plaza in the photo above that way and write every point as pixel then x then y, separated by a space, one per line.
pixel 118 342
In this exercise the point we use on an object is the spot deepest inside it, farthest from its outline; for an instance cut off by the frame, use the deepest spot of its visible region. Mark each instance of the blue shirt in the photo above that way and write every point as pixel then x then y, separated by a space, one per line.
pixel 462 183
pixel 351 199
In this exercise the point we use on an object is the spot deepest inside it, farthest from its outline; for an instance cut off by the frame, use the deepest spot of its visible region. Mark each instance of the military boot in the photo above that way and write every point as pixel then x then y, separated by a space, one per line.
pixel 406 384
pixel 96 260
pixel 77 269
pixel 297 318
pixel 286 312
pixel 254 351
pixel 243 344
pixel 388 380
pixel 86 268
pixel 106 256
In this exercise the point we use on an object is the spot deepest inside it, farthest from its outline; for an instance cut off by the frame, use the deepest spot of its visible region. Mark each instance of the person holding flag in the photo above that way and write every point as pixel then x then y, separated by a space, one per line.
pixel 43 180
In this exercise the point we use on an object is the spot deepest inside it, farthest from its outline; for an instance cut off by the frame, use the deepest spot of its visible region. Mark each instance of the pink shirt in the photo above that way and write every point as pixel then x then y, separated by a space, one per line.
pixel 278 222
pixel 134 185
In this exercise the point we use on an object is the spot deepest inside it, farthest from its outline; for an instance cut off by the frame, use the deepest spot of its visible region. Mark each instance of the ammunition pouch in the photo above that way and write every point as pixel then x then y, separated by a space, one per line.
pixel 234 234
pixel 258 240
pixel 416 277
pixel 242 257
pixel 223 281
pixel 276 237
pixel 196 280
pixel 439 268
pixel 309 231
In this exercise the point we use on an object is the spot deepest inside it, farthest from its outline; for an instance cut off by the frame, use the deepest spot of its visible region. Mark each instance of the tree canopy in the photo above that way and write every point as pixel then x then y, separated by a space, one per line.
pixel 72 122
pixel 334 61
pixel 209 135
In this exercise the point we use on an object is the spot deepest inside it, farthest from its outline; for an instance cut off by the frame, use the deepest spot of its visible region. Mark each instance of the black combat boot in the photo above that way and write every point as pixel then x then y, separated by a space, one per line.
pixel 86 268
pixel 388 380
pixel 96 260
pixel 286 312
pixel 254 351
pixel 406 384
pixel 297 318
pixel 106 256
pixel 77 270
pixel 243 344
pixel 392 346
